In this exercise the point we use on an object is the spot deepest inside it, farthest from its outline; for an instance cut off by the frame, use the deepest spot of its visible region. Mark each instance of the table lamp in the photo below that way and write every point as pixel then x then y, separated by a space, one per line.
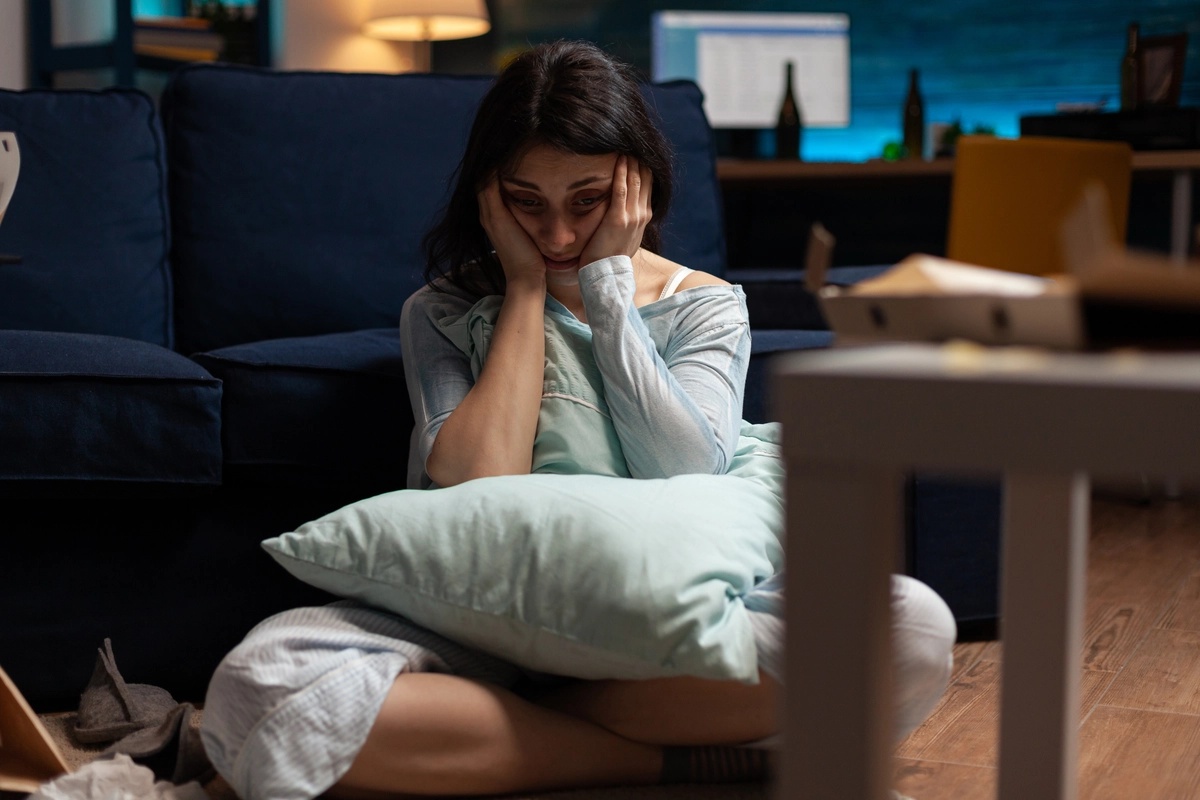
pixel 424 21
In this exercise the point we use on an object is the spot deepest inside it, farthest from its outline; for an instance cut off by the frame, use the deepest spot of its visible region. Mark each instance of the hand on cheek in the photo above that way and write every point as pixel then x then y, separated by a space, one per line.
pixel 628 213
pixel 518 255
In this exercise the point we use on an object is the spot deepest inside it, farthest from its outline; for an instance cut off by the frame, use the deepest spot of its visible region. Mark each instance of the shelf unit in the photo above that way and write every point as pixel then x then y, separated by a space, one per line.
pixel 46 59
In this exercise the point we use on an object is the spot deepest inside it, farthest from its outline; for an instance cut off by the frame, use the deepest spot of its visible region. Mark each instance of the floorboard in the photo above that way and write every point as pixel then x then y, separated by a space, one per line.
pixel 1140 702
pixel 1130 753
pixel 1162 675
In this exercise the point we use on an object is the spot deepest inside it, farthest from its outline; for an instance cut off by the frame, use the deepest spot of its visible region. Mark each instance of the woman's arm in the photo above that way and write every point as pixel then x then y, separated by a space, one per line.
pixel 678 412
pixel 490 431
pixel 675 415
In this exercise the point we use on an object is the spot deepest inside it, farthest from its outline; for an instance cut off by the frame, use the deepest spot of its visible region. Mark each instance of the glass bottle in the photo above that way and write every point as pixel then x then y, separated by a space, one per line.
pixel 1129 70
pixel 914 118
pixel 787 129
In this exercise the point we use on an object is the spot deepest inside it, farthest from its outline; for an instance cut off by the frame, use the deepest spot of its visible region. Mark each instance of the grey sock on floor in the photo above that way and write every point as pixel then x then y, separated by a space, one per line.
pixel 713 764
pixel 110 709
pixel 172 750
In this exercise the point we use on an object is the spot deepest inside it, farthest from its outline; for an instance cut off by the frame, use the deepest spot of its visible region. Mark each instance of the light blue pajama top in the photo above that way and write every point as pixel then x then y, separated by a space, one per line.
pixel 670 374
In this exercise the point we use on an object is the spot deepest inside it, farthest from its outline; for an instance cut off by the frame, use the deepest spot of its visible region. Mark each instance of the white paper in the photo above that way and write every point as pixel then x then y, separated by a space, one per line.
pixel 10 166
pixel 117 778
pixel 953 278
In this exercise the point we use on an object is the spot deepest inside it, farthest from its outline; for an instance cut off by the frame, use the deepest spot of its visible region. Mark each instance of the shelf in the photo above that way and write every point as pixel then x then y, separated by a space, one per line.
pixel 150 43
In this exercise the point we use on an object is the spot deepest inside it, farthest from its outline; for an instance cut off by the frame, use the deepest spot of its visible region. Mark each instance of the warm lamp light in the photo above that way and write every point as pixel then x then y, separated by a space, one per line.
pixel 424 21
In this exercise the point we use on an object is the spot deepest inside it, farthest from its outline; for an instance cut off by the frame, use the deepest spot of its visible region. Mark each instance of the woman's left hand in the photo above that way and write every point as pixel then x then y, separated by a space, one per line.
pixel 620 232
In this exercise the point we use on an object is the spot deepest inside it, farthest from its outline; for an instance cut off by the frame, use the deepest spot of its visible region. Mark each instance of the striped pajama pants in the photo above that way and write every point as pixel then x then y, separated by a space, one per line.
pixel 289 708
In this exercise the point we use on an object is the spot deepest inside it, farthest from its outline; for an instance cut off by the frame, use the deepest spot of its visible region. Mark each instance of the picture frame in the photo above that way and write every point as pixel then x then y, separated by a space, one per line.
pixel 1160 69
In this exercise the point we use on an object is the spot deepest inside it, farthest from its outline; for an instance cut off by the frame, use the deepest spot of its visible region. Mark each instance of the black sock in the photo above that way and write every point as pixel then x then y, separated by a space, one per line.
pixel 713 764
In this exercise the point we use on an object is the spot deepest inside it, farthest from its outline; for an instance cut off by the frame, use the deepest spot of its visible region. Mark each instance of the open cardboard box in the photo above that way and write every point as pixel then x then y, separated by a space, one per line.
pixel 1110 298
pixel 28 756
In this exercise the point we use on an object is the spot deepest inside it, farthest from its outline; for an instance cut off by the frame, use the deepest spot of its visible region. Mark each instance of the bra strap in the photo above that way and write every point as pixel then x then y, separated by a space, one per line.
pixel 674 281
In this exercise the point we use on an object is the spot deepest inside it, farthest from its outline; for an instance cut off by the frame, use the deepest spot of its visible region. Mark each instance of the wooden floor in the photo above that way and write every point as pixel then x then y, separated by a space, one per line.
pixel 1140 721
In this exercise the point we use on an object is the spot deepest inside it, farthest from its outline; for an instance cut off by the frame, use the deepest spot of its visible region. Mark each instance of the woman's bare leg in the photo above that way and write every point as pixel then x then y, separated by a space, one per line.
pixel 674 711
pixel 439 734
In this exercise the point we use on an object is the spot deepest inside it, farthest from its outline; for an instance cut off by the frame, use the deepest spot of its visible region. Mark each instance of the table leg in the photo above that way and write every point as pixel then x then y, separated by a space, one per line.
pixel 843 529
pixel 1181 214
pixel 1041 625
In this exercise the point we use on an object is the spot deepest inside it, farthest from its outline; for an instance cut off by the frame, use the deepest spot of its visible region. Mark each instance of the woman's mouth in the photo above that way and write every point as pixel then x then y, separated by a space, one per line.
pixel 557 264
pixel 563 272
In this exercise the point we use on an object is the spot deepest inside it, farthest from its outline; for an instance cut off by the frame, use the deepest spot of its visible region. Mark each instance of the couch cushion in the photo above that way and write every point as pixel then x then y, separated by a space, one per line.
pixel 694 231
pixel 299 200
pixel 778 298
pixel 88 409
pixel 954 546
pixel 764 345
pixel 331 408
pixel 89 216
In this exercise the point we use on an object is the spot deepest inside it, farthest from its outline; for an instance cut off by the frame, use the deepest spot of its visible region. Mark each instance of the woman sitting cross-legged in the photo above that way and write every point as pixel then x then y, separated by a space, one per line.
pixel 553 224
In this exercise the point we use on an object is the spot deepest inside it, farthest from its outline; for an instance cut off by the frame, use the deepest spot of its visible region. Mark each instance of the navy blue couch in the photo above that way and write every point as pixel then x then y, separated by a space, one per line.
pixel 199 349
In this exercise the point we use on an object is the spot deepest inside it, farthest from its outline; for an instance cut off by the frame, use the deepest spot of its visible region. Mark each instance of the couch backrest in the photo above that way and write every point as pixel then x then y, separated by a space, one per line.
pixel 89 216
pixel 694 233
pixel 299 199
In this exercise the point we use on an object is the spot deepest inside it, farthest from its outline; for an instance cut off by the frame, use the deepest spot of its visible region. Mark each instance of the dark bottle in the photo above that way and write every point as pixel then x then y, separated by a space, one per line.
pixel 914 119
pixel 787 129
pixel 1130 77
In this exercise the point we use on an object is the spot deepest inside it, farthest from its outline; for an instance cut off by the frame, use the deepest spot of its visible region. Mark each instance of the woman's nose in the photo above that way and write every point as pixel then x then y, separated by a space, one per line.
pixel 557 233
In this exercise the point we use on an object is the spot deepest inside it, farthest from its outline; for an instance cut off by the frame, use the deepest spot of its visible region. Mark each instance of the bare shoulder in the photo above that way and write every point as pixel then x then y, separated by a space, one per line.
pixel 698 278
pixel 654 273
pixel 666 268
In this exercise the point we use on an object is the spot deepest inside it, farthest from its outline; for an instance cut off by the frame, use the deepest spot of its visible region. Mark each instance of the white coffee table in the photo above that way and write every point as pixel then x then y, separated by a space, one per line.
pixel 856 420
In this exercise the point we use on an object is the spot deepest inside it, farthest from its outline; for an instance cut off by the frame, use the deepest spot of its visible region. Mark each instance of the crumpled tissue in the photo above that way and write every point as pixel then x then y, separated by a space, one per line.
pixel 116 778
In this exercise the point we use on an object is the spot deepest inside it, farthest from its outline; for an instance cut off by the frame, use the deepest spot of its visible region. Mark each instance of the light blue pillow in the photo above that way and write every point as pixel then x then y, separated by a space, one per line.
pixel 580 575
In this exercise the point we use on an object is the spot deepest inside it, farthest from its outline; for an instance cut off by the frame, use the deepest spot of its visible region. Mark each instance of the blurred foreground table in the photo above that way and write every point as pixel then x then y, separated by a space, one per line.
pixel 855 421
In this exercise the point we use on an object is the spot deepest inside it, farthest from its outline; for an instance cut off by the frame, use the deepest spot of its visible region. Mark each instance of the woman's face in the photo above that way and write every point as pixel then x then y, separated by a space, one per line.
pixel 559 200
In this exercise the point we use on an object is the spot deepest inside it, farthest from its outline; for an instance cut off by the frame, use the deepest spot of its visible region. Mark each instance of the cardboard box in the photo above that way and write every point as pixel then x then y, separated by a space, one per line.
pixel 1119 299
pixel 1110 297
pixel 28 756
pixel 924 298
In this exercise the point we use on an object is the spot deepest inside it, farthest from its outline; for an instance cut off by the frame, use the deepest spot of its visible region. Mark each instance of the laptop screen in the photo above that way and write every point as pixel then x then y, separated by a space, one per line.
pixel 738 59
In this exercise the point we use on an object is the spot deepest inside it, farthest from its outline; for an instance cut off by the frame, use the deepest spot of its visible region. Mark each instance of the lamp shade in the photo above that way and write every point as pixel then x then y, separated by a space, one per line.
pixel 427 20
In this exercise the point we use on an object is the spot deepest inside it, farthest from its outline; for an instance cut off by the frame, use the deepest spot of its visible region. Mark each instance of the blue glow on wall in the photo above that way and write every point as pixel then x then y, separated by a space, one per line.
pixel 172 8
pixel 155 8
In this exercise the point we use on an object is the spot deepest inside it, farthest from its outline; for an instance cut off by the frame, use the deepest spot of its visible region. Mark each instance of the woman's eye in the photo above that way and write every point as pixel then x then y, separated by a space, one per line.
pixel 525 203
pixel 589 202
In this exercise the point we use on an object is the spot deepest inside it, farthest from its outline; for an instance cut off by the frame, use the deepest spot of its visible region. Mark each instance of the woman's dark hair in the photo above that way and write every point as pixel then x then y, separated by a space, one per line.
pixel 571 96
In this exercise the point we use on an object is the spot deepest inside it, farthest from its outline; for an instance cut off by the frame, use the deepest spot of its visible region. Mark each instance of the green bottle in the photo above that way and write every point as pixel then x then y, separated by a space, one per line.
pixel 787 129
pixel 914 118
pixel 1130 71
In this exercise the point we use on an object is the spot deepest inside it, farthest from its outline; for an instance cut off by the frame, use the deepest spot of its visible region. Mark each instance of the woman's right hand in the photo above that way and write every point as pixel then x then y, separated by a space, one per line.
pixel 518 255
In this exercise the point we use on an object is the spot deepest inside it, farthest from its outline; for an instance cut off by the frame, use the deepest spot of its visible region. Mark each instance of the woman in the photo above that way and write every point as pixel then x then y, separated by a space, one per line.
pixel 555 215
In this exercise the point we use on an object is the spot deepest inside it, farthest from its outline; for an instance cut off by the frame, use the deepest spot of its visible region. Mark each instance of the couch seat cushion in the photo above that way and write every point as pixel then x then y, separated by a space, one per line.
pixel 84 408
pixel 320 408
